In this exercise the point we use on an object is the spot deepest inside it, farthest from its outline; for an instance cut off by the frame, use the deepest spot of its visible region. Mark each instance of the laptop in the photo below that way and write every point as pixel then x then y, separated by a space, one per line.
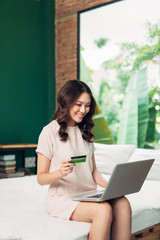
pixel 126 178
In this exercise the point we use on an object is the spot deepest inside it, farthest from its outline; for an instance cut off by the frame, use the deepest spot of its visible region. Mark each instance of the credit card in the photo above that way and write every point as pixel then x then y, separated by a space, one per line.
pixel 78 159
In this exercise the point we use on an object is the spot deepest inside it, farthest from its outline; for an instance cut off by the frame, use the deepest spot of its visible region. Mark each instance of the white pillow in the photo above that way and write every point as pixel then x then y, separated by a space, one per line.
pixel 108 156
pixel 142 154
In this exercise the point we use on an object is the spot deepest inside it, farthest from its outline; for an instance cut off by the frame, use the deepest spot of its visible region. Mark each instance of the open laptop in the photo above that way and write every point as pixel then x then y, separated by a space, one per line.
pixel 126 178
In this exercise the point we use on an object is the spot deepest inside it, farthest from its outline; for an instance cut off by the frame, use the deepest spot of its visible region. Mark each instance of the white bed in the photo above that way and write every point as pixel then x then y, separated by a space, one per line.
pixel 22 213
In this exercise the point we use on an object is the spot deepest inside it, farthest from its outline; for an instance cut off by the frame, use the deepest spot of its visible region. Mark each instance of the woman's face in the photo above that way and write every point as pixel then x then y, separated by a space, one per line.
pixel 79 109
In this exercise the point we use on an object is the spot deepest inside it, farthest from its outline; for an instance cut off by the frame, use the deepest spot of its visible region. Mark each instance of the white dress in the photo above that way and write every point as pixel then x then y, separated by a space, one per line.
pixel 58 202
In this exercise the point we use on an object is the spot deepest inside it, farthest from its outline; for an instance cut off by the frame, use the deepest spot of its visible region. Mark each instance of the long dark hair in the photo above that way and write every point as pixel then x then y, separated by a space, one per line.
pixel 67 96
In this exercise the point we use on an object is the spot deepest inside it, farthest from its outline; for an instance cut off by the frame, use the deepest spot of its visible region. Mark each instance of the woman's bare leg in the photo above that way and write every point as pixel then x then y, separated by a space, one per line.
pixel 99 214
pixel 121 226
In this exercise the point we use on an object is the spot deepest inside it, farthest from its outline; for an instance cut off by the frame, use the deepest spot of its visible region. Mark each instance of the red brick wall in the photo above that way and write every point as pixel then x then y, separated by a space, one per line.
pixel 66 37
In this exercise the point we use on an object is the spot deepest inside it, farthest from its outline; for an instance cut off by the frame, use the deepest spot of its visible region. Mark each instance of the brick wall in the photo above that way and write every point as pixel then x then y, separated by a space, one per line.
pixel 66 36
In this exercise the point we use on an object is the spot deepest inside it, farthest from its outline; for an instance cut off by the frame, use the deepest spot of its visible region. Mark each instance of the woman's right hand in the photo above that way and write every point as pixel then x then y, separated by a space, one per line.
pixel 44 177
pixel 66 167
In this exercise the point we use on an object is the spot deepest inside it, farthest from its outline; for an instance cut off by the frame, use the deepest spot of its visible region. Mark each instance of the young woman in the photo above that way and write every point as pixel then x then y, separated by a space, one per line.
pixel 69 134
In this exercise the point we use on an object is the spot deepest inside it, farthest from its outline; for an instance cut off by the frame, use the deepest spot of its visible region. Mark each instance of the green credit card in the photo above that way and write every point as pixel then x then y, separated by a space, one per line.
pixel 78 159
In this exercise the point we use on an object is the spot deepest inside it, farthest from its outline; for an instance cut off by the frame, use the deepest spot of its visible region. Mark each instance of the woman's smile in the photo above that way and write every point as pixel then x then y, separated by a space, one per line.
pixel 80 115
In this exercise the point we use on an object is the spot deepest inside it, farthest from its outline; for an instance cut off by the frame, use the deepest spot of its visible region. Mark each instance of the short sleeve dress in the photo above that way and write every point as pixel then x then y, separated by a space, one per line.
pixel 59 201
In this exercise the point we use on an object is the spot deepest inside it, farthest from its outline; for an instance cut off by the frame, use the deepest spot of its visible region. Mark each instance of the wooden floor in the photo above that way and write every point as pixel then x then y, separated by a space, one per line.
pixel 151 233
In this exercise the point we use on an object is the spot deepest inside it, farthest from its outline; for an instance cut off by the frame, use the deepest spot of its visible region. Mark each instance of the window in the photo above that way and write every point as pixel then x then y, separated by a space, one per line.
pixel 119 58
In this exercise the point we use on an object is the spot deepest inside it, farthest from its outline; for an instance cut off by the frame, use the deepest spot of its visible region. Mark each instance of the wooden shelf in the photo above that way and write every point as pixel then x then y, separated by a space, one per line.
pixel 17 146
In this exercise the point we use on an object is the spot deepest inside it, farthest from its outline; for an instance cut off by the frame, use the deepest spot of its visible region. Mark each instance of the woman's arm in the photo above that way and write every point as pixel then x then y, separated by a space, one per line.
pixel 97 176
pixel 43 175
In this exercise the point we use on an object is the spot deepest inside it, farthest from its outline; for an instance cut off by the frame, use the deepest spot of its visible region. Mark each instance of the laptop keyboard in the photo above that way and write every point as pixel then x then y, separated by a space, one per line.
pixel 95 196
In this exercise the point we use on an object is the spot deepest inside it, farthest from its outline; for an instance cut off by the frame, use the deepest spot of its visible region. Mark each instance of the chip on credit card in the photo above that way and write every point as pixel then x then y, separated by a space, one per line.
pixel 78 159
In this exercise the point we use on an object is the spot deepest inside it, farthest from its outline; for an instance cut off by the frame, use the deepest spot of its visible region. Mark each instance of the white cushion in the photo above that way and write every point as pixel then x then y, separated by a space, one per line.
pixel 142 154
pixel 108 156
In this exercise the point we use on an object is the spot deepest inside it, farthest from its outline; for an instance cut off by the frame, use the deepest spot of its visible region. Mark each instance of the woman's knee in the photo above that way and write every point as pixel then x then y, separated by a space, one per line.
pixel 104 211
pixel 90 212
pixel 122 204
pixel 125 204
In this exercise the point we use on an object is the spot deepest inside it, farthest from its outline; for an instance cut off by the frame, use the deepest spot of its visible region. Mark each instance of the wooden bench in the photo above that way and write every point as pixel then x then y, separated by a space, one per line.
pixel 151 233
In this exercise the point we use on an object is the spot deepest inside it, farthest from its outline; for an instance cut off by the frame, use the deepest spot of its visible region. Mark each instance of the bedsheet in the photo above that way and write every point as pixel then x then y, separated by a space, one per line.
pixel 22 212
